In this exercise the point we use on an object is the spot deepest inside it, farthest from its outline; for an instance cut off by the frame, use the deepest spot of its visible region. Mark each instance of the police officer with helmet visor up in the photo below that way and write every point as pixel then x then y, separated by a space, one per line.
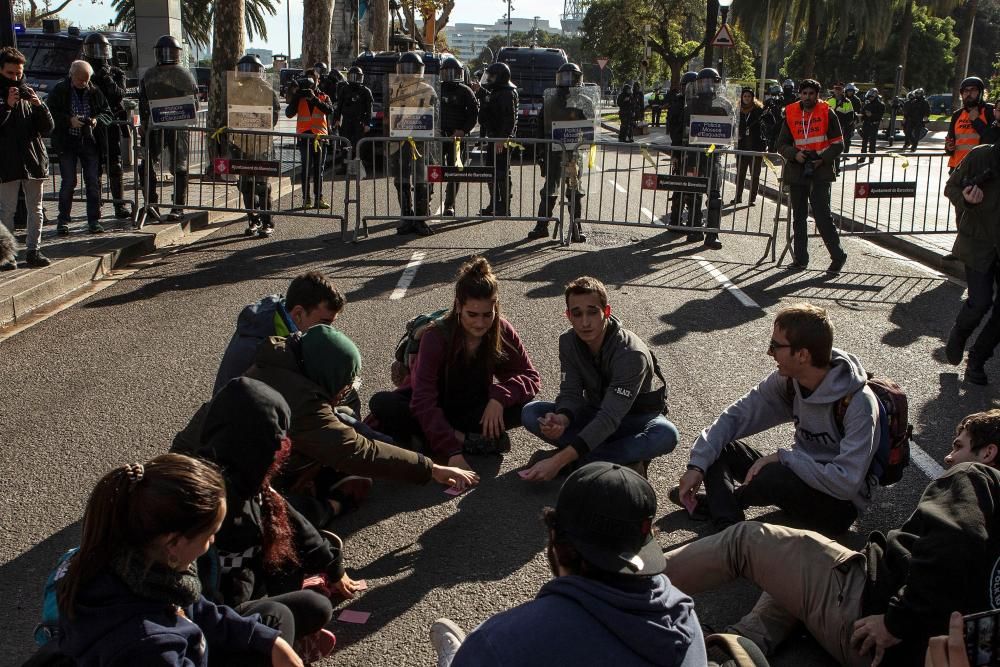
pixel 353 111
pixel 498 120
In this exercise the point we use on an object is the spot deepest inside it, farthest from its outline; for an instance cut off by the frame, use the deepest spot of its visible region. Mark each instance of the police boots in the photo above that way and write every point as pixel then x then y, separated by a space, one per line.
pixel 180 196
pixel 118 195
pixel 576 231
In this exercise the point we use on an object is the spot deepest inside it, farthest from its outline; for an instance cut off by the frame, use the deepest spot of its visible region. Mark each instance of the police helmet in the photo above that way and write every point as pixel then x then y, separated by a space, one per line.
pixel 850 88
pixel 452 70
pixel 498 75
pixel 250 66
pixel 707 80
pixel 568 76
pixel 627 88
pixel 96 47
pixel 320 68
pixel 774 90
pixel 973 82
pixel 788 84
pixel 410 63
pixel 872 93
pixel 355 75
pixel 167 50
pixel 688 77
pixel 919 92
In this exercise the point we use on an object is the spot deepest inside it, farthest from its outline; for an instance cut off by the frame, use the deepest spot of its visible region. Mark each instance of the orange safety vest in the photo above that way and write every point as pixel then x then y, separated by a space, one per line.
pixel 809 130
pixel 966 138
pixel 311 119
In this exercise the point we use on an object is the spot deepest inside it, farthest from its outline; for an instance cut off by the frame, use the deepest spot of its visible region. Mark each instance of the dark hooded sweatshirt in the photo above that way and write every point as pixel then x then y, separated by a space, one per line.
pixel 257 322
pixel 243 430
pixel 580 621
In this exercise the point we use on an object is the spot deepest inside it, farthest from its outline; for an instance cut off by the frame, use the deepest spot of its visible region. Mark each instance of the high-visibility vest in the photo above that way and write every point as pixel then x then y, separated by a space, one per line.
pixel 810 130
pixel 966 138
pixel 310 119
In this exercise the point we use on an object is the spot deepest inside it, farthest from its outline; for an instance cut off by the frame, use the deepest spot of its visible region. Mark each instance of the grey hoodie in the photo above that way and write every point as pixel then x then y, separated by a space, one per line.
pixel 821 456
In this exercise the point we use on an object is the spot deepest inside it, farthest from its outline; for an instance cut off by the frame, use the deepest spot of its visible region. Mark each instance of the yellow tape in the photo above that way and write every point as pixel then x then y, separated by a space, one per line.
pixel 413 148
pixel 592 160
pixel 514 144
pixel 458 154
pixel 316 143
pixel 215 135
pixel 710 150
pixel 770 165
pixel 647 157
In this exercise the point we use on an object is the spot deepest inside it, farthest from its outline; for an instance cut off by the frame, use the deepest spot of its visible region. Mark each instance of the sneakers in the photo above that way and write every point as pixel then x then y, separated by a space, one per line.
pixel 62 228
pixel 349 492
pixel 448 210
pixel 322 203
pixel 713 243
pixel 446 638
pixel 695 237
pixel 954 349
pixel 175 215
pixel 95 228
pixel 8 265
pixel 315 647
pixel 477 444
pixel 307 202
pixel 36 260
pixel 265 231
pixel 252 228
pixel 700 512
pixel 837 264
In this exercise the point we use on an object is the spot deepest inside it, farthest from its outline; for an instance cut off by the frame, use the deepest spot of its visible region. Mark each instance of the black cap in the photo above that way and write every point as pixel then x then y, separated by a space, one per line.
pixel 606 512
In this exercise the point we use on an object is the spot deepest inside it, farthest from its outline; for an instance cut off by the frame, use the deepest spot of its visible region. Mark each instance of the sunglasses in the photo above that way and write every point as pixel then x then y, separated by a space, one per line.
pixel 775 345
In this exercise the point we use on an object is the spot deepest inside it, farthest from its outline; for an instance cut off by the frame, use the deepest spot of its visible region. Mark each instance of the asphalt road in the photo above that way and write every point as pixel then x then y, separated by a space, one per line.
pixel 110 380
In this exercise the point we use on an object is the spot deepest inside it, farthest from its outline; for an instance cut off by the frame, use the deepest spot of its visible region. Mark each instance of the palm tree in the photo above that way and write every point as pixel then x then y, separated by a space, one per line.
pixel 197 16
pixel 227 49
pixel 800 15
pixel 317 20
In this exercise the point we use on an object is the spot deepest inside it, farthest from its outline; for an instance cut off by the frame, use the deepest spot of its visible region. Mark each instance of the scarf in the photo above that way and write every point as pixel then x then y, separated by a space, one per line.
pixel 157 582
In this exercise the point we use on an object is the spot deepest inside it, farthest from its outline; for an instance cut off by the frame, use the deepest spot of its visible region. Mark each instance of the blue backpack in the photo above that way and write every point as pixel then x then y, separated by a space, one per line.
pixel 48 629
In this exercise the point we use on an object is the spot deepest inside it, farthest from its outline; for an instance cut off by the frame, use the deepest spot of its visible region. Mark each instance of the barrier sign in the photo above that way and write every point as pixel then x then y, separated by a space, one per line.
pixel 411 122
pixel 177 111
pixel 885 189
pixel 696 184
pixel 247 167
pixel 572 133
pixel 705 130
pixel 452 174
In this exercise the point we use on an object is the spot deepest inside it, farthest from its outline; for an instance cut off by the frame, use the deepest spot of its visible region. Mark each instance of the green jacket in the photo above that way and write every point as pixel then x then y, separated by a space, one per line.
pixel 978 240
pixel 785 145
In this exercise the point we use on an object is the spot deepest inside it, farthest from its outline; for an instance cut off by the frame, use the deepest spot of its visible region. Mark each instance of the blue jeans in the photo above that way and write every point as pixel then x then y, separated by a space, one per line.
pixel 90 159
pixel 640 437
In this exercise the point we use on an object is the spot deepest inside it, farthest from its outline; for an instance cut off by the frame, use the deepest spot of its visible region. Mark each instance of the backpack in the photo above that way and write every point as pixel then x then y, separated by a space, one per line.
pixel 48 629
pixel 895 430
pixel 409 343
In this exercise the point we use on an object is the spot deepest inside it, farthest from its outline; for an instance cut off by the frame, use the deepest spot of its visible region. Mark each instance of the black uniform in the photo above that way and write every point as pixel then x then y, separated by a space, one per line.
pixel 459 113
pixel 675 118
pixel 708 165
pixel 871 118
pixel 915 110
pixel 498 119
pixel 656 106
pixel 111 81
pixel 256 190
pixel 771 120
pixel 638 108
pixel 625 110
pixel 353 111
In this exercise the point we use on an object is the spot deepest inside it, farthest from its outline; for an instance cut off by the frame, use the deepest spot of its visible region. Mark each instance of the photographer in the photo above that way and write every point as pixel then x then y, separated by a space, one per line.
pixel 24 120
pixel 974 190
pixel 810 141
pixel 76 105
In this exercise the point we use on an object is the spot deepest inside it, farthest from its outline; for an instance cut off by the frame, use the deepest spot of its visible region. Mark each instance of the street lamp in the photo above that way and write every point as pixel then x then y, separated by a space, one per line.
pixel 724 5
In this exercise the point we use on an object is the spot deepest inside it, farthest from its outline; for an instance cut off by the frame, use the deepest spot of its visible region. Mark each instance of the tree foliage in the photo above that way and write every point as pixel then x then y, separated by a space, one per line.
pixel 196 18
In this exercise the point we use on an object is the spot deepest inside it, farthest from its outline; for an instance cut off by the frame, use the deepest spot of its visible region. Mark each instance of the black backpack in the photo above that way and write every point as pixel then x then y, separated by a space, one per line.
pixel 409 343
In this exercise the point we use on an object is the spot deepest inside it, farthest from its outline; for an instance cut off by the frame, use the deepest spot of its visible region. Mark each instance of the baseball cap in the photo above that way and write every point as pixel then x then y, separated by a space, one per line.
pixel 606 512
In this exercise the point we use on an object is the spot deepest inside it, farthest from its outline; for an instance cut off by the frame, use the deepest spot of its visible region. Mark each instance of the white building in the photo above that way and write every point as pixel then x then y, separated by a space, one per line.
pixel 466 40
pixel 266 55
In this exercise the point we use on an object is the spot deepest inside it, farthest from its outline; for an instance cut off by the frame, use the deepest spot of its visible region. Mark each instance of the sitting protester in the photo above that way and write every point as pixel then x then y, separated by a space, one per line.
pixel 607 408
pixel 131 594
pixel 882 604
pixel 607 604
pixel 470 378
pixel 331 462
pixel 265 548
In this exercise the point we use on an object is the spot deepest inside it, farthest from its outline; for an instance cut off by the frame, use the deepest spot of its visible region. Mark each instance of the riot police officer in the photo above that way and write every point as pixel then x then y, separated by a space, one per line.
pixel 408 164
pixel 871 117
pixel 459 113
pixel 256 190
pixel 916 111
pixel 353 111
pixel 568 102
pixel 675 111
pixel 167 80
pixel 707 101
pixel 774 107
pixel 329 81
pixel 638 106
pixel 625 109
pixel 789 92
pixel 676 125
pixel 111 81
pixel 498 120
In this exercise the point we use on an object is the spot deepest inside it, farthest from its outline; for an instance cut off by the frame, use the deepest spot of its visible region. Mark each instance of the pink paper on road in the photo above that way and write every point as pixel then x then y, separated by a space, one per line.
pixel 455 491
pixel 523 474
pixel 352 616
pixel 361 585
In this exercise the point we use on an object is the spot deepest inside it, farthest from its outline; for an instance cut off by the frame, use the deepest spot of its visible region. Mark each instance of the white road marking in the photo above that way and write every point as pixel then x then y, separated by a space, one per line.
pixel 727 284
pixel 409 273
pixel 889 254
pixel 924 461
pixel 652 218
pixel 617 187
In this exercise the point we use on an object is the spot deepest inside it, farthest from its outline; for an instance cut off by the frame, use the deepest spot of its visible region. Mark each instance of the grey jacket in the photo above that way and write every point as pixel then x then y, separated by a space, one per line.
pixel 821 456
pixel 620 380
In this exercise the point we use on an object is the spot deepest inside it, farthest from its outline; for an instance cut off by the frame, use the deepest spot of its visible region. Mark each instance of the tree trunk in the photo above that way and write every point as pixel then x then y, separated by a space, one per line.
pixel 317 17
pixel 379 10
pixel 812 40
pixel 905 31
pixel 227 49
pixel 711 25
pixel 965 38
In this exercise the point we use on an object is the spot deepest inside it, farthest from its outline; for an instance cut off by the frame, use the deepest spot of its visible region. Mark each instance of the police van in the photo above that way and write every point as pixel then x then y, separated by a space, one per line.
pixel 48 54
pixel 377 68
pixel 532 70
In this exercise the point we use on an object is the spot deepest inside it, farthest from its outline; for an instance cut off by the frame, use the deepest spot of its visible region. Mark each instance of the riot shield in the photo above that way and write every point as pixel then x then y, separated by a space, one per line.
pixel 570 116
pixel 413 106
pixel 711 113
pixel 250 104
pixel 173 96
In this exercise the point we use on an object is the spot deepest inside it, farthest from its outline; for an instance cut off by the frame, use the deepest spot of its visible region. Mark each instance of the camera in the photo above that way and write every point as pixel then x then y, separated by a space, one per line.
pixel 979 179
pixel 982 638
pixel 809 168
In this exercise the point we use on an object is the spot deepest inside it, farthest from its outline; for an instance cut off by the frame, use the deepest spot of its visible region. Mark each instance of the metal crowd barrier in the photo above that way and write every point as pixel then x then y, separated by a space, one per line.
pixel 664 187
pixel 424 168
pixel 228 170
pixel 130 174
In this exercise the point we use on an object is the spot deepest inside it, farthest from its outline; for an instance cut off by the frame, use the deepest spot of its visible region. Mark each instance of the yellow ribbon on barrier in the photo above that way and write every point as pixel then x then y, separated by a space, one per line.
pixel 647 157
pixel 215 135
pixel 458 154
pixel 316 143
pixel 771 167
pixel 592 158
pixel 514 144
pixel 710 150
pixel 413 148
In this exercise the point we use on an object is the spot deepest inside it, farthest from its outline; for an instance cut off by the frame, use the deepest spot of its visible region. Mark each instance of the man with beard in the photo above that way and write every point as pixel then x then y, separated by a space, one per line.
pixel 968 123
pixel 607 593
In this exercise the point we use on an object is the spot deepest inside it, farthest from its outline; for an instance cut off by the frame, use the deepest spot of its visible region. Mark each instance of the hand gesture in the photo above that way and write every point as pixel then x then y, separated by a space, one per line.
pixel 544 471
pixel 553 425
pixel 870 634
pixel 973 194
pixel 689 484
pixel 456 477
pixel 758 464
pixel 948 651
pixel 346 586
pixel 492 419
pixel 13 96
pixel 75 122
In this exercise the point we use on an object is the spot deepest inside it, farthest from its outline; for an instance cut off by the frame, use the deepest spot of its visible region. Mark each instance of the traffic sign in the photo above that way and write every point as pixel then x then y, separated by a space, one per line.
pixel 723 38
pixel 602 61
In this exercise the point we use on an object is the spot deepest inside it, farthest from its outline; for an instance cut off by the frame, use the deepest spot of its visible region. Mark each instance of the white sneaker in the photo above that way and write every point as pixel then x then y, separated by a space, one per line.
pixel 447 638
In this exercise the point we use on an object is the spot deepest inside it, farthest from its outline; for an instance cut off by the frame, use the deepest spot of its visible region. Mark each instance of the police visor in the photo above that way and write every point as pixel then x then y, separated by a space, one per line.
pixel 452 74
pixel 167 55
pixel 410 68
pixel 355 77
pixel 567 79
pixel 97 51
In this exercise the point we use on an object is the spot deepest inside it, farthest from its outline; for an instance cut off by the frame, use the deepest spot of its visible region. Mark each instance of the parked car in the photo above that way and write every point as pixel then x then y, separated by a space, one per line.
pixel 940 104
